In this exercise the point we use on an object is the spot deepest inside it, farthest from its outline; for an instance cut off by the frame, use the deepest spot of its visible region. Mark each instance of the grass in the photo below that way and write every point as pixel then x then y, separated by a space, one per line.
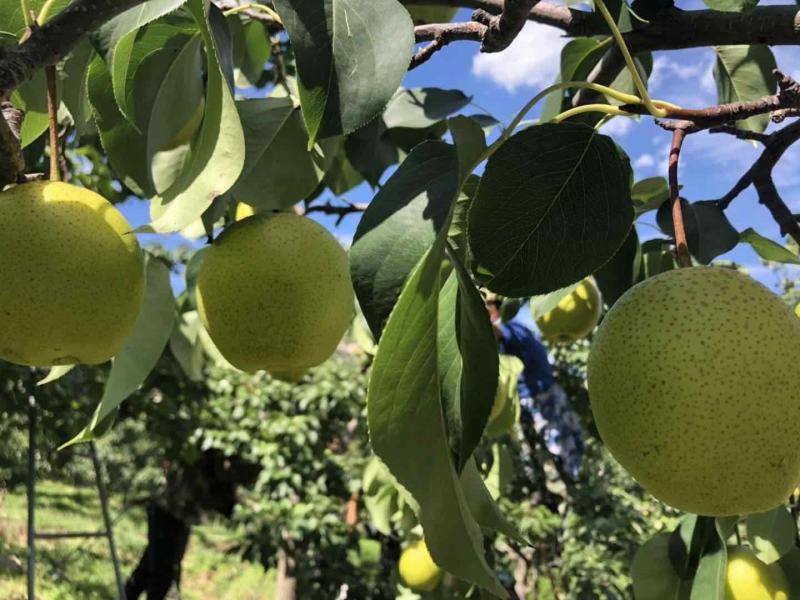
pixel 81 569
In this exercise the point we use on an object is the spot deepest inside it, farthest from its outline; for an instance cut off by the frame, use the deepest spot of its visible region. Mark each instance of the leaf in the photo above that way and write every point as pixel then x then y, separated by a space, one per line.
pixel 768 249
pixel 468 363
pixel 351 57
pixel 176 116
pixel 790 565
pixel 483 506
pixel 279 171
pixel 74 78
pixel 552 207
pixel 184 343
pixel 656 257
pixel 108 35
pixel 407 429
pixel 731 5
pixel 142 350
pixel 340 175
pixel 124 145
pixel 745 73
pixel 12 19
pixel 470 141
pixel 398 227
pixel 649 194
pixel 708 231
pixel 652 572
pixel 541 305
pixel 772 534
pixel 624 270
pixel 217 154
pixel 421 108
pixel 709 580
pixel 31 97
pixel 55 373
pixel 369 151
pixel 251 50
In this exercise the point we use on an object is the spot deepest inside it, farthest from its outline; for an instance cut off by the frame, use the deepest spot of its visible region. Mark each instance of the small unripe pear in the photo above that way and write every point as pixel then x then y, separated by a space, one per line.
pixel 747 578
pixel 417 569
pixel 575 316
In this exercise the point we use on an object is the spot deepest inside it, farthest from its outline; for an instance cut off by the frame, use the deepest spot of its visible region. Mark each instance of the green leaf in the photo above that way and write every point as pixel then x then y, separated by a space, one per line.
pixel 541 305
pixel 790 565
pixel 55 373
pixel 483 506
pixel 709 580
pixel 218 153
pixel 399 226
pixel 141 352
pixel 12 19
pixel 624 270
pixel 124 145
pixel 31 97
pixel 351 57
pixel 421 108
pixel 407 429
pixel 745 73
pixel 184 343
pixel 731 5
pixel 176 116
pixel 370 152
pixel 468 363
pixel 657 257
pixel 772 534
pixel 470 141
pixel 768 249
pixel 108 35
pixel 652 572
pixel 74 77
pixel 278 168
pixel 340 174
pixel 649 194
pixel 552 207
pixel 708 231
pixel 251 50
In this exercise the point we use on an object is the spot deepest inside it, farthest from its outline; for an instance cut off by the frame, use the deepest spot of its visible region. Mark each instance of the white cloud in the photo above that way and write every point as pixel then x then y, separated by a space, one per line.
pixel 617 127
pixel 685 78
pixel 645 161
pixel 533 59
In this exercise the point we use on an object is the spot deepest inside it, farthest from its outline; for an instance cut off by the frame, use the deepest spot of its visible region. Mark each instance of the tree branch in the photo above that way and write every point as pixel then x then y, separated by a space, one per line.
pixel 503 28
pixel 681 246
pixel 52 41
pixel 759 175
pixel 340 211
pixel 442 34
pixel 12 164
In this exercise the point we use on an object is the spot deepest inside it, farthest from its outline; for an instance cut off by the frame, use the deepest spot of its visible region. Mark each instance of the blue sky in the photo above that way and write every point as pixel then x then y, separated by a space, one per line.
pixel 502 83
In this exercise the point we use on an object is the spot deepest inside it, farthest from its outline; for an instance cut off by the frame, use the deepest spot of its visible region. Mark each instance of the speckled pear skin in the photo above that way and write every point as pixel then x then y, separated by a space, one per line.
pixel 71 276
pixel 274 293
pixel 692 379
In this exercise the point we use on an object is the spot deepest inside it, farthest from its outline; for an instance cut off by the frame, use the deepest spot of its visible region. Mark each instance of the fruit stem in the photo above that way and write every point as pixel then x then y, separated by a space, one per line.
pixel 26 13
pixel 52 118
pixel 681 247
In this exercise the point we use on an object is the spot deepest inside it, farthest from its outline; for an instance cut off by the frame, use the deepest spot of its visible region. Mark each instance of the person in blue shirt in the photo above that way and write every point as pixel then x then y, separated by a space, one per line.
pixel 545 405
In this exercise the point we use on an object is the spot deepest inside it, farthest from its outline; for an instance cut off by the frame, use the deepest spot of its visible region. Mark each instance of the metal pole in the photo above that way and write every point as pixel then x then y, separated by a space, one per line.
pixel 32 492
pixel 101 487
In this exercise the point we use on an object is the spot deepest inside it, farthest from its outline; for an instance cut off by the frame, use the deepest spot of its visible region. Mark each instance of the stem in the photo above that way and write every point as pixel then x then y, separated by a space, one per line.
pixel 44 13
pixel 26 13
pixel 681 247
pixel 623 48
pixel 254 6
pixel 585 108
pixel 52 118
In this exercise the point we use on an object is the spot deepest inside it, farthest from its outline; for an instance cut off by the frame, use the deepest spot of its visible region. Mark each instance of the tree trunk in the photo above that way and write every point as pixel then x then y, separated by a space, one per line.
pixel 286 588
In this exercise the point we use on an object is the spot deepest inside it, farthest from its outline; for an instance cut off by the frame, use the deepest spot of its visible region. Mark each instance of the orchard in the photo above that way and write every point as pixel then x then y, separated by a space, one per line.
pixel 522 339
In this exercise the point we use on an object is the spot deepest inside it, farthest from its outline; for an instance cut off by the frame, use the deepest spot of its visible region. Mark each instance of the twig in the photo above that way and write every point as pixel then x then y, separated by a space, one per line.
pixel 341 211
pixel 742 134
pixel 681 247
pixel 52 120
pixel 442 34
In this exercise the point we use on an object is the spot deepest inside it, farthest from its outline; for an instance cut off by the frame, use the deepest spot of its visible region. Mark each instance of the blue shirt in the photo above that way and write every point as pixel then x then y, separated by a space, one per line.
pixel 519 341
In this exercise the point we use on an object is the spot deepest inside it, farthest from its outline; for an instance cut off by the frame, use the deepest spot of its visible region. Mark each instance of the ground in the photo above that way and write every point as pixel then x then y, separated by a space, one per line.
pixel 82 570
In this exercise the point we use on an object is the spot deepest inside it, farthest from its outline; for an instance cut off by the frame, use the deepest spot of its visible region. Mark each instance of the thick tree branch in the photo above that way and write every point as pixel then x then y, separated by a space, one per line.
pixel 12 165
pixel 51 42
pixel 503 28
